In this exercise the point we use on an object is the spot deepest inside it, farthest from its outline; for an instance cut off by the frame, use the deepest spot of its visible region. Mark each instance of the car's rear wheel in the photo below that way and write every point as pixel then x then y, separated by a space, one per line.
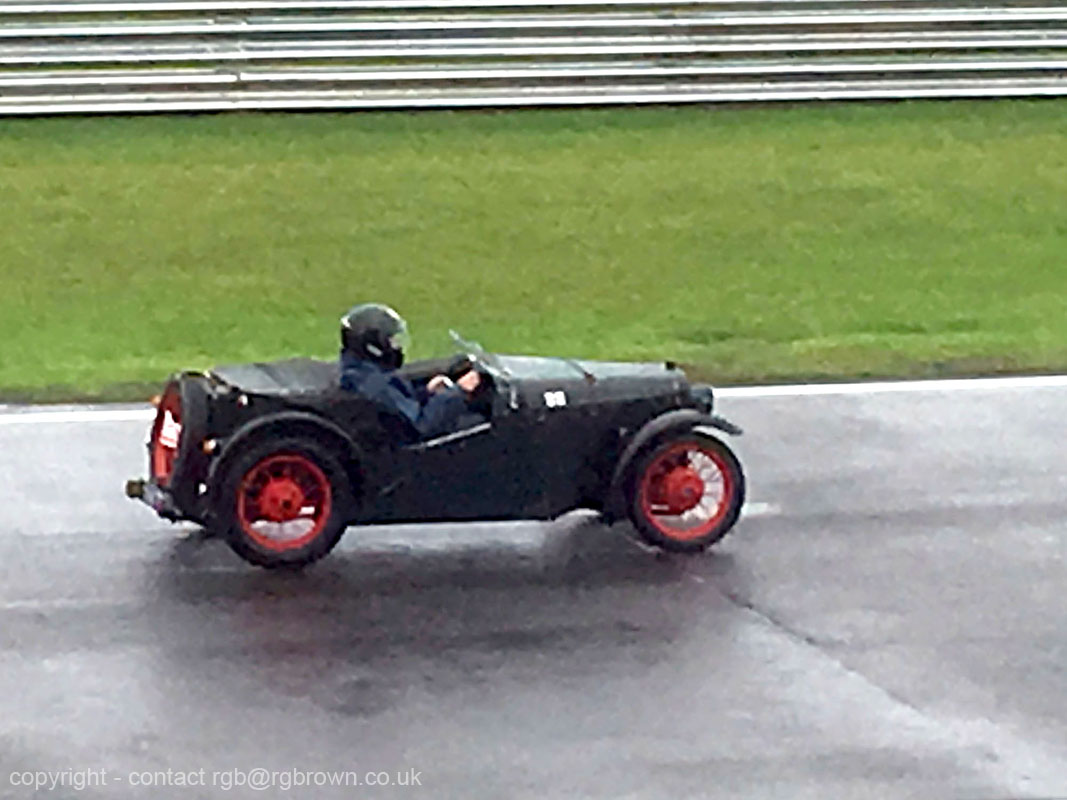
pixel 284 502
pixel 686 492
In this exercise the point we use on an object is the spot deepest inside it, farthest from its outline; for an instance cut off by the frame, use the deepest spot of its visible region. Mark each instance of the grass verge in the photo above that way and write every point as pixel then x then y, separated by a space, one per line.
pixel 753 244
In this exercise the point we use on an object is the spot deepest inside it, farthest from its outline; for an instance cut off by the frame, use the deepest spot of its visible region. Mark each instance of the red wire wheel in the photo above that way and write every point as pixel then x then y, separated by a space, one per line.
pixel 284 502
pixel 687 493
pixel 166 435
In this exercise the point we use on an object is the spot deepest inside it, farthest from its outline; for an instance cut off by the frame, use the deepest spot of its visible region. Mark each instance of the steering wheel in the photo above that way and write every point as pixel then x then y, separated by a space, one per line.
pixel 460 366
pixel 481 399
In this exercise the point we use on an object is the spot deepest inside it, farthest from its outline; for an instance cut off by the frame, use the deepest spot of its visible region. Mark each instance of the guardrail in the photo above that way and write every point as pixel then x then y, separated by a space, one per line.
pixel 84 56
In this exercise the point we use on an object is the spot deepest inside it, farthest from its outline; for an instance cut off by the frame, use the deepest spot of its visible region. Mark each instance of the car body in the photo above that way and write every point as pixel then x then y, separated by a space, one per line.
pixel 279 459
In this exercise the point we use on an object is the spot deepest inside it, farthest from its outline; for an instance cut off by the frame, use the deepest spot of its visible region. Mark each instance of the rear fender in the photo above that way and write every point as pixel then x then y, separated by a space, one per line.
pixel 672 423
pixel 288 424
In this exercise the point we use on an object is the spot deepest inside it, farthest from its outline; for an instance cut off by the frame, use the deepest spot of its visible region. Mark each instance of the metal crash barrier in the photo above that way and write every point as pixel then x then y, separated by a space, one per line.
pixel 82 57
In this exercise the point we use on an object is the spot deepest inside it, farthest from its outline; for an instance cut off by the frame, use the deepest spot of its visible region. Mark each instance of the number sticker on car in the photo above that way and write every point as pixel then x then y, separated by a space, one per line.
pixel 170 431
pixel 556 399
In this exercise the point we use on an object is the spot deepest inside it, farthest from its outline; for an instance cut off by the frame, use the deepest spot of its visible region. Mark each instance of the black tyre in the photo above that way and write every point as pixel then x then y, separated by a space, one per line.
pixel 686 492
pixel 283 502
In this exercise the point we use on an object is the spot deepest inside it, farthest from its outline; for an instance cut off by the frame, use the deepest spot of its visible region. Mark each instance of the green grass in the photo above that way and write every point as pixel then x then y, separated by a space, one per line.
pixel 753 244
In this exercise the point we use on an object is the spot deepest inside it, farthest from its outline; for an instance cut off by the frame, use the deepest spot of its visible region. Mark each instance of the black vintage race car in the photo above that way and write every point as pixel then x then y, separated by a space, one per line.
pixel 279 460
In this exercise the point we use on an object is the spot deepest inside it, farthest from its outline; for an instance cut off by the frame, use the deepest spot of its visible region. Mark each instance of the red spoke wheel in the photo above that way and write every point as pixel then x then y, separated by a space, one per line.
pixel 686 493
pixel 285 502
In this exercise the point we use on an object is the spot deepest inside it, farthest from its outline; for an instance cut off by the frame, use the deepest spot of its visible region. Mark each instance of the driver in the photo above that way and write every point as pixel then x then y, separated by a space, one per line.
pixel 373 338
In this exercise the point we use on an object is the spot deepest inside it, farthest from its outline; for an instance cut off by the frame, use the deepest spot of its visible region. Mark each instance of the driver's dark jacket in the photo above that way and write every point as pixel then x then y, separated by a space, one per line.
pixel 427 414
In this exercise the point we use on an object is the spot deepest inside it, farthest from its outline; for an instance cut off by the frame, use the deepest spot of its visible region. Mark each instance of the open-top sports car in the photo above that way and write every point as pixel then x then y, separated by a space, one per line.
pixel 280 460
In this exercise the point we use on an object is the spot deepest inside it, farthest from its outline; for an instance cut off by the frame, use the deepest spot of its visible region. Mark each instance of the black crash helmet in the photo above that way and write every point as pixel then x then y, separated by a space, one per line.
pixel 376 333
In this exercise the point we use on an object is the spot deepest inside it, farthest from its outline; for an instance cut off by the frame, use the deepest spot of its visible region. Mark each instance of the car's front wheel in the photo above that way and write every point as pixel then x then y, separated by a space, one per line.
pixel 283 502
pixel 686 492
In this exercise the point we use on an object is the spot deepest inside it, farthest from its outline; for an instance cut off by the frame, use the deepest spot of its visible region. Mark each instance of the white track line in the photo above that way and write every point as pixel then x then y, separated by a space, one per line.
pixel 77 417
pixel 85 416
pixel 891 387
pixel 59 604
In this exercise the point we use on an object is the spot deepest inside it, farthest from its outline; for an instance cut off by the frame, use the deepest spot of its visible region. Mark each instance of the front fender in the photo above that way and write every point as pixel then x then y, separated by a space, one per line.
pixel 717 423
pixel 671 423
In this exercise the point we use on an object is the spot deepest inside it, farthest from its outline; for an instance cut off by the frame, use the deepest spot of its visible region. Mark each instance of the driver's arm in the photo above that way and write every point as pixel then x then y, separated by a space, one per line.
pixel 468 382
pixel 439 382
pixel 439 412
pixel 397 395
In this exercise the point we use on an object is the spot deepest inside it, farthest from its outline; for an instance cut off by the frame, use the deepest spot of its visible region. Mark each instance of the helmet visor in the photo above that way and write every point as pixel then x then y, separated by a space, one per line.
pixel 401 340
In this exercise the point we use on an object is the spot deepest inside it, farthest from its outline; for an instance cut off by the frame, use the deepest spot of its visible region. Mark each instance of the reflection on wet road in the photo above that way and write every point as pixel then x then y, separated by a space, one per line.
pixel 888 622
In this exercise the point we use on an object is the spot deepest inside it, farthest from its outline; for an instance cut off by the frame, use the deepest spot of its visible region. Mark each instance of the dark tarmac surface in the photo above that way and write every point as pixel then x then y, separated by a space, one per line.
pixel 888 622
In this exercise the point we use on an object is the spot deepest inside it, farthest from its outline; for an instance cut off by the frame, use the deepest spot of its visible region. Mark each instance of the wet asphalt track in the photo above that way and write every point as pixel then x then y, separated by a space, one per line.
pixel 890 623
